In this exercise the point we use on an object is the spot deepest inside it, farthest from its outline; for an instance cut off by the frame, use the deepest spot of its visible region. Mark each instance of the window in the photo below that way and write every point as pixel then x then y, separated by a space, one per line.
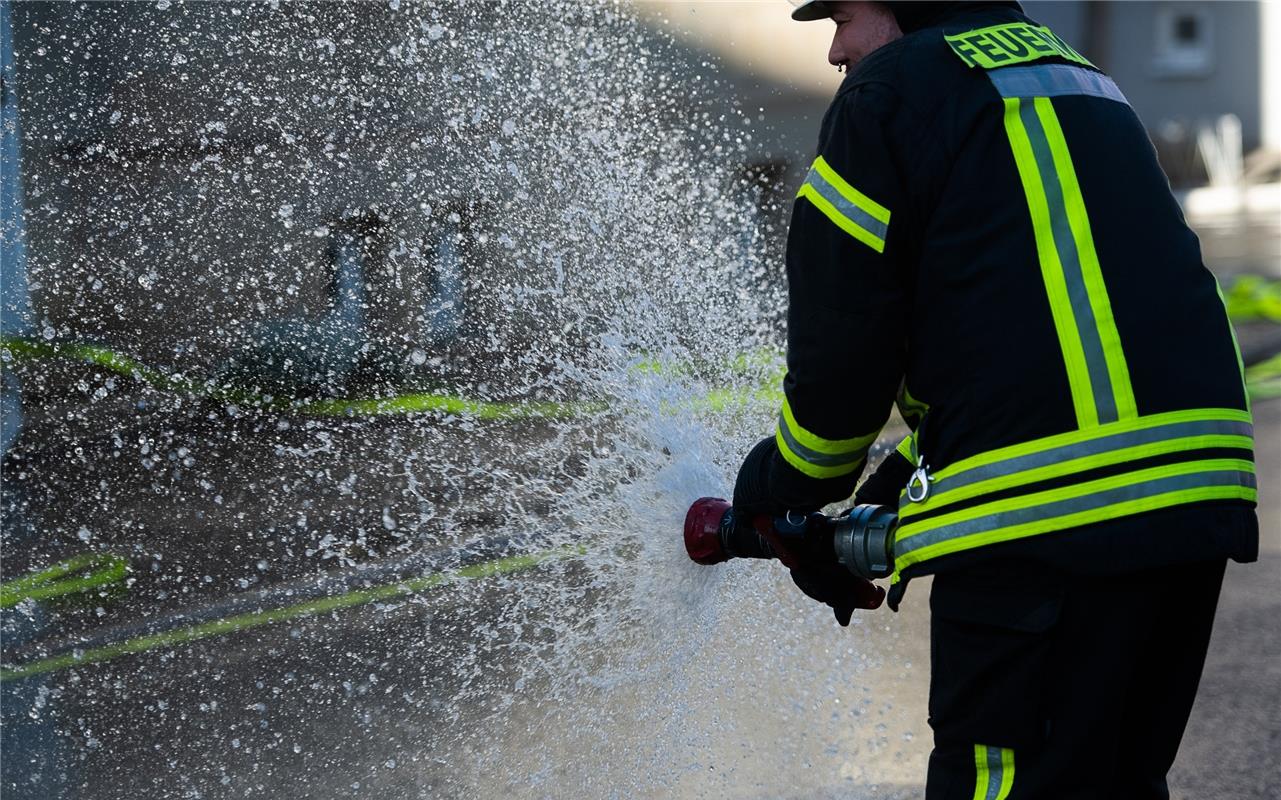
pixel 1184 41
pixel 444 310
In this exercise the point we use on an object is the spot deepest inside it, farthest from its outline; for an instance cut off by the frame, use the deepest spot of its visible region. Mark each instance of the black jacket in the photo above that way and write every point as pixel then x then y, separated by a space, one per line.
pixel 986 236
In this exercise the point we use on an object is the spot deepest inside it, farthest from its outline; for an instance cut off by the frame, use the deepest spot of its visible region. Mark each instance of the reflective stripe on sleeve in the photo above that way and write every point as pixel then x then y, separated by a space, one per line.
pixel 1097 373
pixel 815 456
pixel 1054 80
pixel 994 772
pixel 852 211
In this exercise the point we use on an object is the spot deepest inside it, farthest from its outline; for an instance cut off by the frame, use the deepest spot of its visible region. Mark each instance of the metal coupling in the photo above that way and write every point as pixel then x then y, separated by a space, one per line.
pixel 864 541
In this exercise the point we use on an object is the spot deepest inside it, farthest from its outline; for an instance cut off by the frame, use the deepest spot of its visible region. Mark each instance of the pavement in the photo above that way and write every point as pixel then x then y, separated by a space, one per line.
pixel 1232 747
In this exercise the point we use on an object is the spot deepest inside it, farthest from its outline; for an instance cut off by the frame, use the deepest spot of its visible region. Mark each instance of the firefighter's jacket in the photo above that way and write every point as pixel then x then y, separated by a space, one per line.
pixel 986 236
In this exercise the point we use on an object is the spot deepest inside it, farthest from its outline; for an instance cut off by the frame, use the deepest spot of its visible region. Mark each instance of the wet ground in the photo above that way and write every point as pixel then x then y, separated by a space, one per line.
pixel 430 693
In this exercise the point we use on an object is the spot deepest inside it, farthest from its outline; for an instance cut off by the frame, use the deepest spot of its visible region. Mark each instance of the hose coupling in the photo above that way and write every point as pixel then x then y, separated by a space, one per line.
pixel 864 541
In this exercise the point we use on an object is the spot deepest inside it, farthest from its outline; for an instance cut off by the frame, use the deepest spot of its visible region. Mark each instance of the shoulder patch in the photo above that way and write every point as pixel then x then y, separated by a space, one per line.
pixel 1011 43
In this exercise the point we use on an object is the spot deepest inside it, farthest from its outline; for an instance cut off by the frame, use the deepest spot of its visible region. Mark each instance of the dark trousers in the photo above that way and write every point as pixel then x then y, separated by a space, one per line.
pixel 1046 685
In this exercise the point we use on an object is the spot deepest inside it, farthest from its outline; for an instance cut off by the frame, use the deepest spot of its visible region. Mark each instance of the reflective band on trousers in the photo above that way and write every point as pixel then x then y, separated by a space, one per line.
pixel 1077 451
pixel 1054 80
pixel 1097 374
pixel 815 456
pixel 994 772
pixel 852 211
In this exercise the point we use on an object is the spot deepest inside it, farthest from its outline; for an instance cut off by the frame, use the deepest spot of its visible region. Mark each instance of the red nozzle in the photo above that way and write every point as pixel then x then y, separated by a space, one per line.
pixel 702 530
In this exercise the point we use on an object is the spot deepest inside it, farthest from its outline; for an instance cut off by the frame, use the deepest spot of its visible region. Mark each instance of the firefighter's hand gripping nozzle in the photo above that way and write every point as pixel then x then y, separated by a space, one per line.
pixel 861 541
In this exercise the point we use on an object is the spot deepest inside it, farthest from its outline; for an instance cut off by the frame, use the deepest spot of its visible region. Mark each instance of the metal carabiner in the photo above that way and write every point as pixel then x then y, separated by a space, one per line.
pixel 920 480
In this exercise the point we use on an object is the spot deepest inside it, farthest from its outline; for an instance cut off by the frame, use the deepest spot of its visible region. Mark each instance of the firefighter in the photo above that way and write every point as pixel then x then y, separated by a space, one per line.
pixel 985 237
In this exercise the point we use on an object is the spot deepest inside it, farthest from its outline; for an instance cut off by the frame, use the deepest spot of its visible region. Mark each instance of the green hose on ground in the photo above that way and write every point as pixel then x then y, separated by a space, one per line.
pixel 241 622
pixel 81 573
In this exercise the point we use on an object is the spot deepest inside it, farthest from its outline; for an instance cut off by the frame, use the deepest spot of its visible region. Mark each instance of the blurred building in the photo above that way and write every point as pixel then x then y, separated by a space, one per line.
pixel 1183 65
pixel 1205 77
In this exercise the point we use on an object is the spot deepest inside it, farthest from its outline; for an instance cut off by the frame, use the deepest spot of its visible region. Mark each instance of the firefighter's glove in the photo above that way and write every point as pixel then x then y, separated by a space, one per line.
pixel 836 588
pixel 752 488
pixel 882 487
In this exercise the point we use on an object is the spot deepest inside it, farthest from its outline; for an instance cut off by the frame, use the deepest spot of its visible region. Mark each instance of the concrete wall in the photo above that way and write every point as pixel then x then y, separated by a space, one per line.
pixel 1270 46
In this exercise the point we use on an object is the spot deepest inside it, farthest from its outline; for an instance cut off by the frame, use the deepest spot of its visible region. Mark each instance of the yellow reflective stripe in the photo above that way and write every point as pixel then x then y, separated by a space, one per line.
pixel 1138 506
pixel 835 447
pixel 942 497
pixel 1091 271
pixel 994 772
pixel 982 776
pixel 875 209
pixel 1078 436
pixel 810 468
pixel 907 448
pixel 1051 267
pixel 944 542
pixel 1093 357
pixel 1026 501
pixel 814 455
pixel 849 209
pixel 844 223
pixel 1007 773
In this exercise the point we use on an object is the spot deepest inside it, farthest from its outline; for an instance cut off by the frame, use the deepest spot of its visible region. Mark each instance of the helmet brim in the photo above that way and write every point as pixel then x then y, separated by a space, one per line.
pixel 811 10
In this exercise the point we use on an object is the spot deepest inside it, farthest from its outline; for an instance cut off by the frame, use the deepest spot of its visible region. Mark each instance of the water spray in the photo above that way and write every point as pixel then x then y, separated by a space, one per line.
pixel 861 540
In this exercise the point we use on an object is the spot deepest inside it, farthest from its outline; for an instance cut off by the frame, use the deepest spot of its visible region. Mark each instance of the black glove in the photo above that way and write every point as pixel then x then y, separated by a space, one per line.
pixel 836 588
pixel 752 488
pixel 883 486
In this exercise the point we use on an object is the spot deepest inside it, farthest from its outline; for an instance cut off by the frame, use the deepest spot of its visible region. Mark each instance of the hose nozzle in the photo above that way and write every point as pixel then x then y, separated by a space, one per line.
pixel 861 541
pixel 703 538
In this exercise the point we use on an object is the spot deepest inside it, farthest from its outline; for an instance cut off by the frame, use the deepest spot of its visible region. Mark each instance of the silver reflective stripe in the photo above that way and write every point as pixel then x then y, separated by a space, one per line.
pixel 815 457
pixel 1054 80
pixel 1104 444
pixel 847 209
pixel 995 770
pixel 909 541
pixel 1065 245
